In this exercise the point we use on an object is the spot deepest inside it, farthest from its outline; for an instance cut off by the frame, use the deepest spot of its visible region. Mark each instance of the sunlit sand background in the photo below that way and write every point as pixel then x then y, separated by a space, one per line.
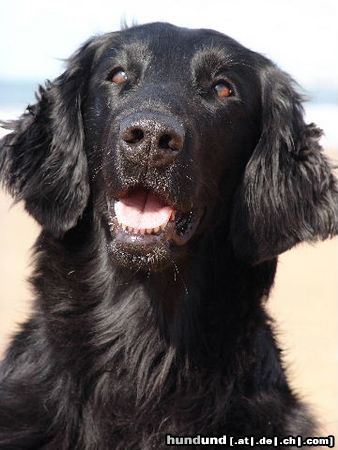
pixel 303 304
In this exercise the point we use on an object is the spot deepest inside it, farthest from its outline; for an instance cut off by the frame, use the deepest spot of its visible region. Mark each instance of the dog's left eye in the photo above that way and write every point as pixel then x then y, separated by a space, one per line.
pixel 119 77
pixel 223 89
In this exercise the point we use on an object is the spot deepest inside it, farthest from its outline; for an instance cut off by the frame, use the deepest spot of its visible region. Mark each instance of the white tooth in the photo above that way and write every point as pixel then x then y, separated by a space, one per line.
pixel 156 230
pixel 149 230
pixel 142 231
pixel 172 217
pixel 124 227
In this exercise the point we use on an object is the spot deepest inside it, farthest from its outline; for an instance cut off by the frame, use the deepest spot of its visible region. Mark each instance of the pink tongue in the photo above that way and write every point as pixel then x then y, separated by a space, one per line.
pixel 142 210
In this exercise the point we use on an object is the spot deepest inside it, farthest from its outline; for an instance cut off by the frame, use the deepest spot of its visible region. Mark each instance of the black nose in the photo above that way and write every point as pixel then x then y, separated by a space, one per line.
pixel 151 139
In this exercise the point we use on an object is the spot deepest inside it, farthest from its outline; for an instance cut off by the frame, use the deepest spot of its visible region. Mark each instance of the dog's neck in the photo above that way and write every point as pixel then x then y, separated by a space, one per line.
pixel 177 299
pixel 151 328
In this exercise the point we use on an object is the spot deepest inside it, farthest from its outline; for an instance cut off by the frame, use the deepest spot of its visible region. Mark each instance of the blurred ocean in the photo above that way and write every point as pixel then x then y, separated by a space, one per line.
pixel 15 95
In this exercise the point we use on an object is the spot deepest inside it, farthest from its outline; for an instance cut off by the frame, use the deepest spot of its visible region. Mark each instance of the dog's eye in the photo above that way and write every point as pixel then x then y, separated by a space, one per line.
pixel 223 89
pixel 119 77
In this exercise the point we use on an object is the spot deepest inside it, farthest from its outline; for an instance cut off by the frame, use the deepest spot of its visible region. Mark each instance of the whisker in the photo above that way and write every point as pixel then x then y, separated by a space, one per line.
pixel 99 168
pixel 178 273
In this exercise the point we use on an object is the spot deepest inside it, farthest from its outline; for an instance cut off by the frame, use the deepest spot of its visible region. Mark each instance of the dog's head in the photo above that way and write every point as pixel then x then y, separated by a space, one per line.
pixel 169 134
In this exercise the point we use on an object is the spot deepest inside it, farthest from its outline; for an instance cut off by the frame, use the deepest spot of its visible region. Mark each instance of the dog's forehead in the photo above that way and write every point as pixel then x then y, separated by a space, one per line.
pixel 175 44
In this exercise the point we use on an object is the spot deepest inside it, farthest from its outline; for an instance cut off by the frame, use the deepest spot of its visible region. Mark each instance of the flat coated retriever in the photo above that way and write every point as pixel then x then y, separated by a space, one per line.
pixel 168 168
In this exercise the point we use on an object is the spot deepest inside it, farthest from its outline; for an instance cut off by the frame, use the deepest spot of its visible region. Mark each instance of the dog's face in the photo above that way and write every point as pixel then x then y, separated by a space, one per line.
pixel 171 118
pixel 165 135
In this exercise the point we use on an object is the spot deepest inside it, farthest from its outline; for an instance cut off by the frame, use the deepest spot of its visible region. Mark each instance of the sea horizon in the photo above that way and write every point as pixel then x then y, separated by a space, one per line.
pixel 321 107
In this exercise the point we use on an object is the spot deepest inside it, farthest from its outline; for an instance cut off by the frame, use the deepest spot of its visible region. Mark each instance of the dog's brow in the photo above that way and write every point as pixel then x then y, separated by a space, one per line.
pixel 214 58
pixel 137 51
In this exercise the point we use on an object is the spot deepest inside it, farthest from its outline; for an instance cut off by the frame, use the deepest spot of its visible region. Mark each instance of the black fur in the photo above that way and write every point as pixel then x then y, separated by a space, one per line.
pixel 125 346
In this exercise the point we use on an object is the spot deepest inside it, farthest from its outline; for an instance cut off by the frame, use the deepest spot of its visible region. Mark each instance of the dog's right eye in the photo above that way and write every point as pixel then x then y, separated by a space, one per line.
pixel 223 89
pixel 119 76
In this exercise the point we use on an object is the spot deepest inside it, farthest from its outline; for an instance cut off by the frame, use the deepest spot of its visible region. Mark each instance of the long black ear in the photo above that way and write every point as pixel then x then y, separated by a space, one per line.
pixel 288 193
pixel 42 161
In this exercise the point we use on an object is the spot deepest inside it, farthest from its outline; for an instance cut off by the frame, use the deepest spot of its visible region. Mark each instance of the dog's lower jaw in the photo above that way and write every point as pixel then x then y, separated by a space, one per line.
pixel 134 246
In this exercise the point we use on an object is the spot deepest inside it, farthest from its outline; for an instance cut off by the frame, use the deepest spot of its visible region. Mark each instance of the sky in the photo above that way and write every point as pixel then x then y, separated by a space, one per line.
pixel 301 36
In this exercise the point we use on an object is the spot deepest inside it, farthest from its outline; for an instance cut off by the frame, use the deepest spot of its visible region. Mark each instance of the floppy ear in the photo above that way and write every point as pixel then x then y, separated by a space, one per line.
pixel 288 193
pixel 42 161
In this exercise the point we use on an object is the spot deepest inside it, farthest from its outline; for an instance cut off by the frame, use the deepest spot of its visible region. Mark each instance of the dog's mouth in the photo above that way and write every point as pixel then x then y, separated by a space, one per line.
pixel 141 217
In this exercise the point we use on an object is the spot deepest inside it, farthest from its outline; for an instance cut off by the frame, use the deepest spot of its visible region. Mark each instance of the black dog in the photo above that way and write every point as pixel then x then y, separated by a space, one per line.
pixel 168 168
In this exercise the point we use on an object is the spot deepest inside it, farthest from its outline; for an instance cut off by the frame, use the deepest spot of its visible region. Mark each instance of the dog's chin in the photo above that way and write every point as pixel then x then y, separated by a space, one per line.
pixel 142 256
pixel 148 233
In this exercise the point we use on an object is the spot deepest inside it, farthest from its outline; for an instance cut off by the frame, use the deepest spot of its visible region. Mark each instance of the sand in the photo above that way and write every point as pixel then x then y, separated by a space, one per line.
pixel 303 303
